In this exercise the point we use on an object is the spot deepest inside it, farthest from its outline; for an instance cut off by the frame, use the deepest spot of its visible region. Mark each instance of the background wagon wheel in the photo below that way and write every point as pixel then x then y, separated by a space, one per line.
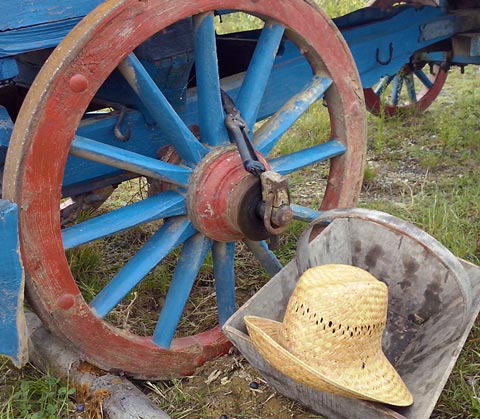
pixel 401 92
pixel 70 79
pixel 413 88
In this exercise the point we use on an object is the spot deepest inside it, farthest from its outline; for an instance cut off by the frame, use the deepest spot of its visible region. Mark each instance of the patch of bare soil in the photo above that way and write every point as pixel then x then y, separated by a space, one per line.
pixel 227 388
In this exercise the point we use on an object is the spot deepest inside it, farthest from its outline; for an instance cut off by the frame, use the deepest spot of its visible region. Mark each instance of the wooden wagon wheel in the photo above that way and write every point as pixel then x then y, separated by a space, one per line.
pixel 413 88
pixel 43 139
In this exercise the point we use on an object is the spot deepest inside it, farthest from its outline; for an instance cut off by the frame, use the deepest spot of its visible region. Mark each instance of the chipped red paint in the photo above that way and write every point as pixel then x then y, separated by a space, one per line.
pixel 47 124
pixel 216 191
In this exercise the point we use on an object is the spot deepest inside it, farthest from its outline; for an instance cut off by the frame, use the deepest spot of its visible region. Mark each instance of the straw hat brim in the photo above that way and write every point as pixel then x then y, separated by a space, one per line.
pixel 382 385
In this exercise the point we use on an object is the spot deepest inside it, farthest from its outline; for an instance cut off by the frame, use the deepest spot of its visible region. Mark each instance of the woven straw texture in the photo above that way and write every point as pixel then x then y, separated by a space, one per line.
pixel 330 338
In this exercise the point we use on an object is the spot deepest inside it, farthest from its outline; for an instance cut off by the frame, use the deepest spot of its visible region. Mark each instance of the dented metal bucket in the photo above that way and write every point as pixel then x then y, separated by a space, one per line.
pixel 433 303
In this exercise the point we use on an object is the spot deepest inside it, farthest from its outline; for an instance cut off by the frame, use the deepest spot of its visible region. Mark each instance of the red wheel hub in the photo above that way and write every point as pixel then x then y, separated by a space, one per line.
pixel 223 198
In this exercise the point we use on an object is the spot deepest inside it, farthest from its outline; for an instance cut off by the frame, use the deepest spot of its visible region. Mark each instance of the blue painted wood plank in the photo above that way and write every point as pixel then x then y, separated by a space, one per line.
pixel 8 69
pixel 166 204
pixel 410 85
pixel 223 269
pixel 424 78
pixel 304 158
pixel 305 214
pixel 128 160
pixel 168 120
pixel 382 85
pixel 210 109
pixel 396 89
pixel 258 73
pixel 189 263
pixel 34 38
pixel 13 332
pixel 271 132
pixel 265 256
pixel 23 13
pixel 6 128
pixel 144 141
pixel 174 232
pixel 383 47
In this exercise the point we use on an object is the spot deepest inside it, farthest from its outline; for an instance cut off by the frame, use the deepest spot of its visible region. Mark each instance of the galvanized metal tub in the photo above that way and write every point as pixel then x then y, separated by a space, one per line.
pixel 433 303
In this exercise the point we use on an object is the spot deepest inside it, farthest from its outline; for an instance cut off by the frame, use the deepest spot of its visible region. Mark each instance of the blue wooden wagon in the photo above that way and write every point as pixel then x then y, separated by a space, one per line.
pixel 93 94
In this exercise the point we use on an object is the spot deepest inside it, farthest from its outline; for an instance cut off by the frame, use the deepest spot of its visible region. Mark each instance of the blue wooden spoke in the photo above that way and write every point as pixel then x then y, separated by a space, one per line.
pixel 424 79
pixel 384 83
pixel 223 258
pixel 174 232
pixel 268 135
pixel 129 161
pixel 265 256
pixel 210 109
pixel 397 89
pixel 189 263
pixel 173 128
pixel 166 204
pixel 300 159
pixel 301 213
pixel 258 73
pixel 410 85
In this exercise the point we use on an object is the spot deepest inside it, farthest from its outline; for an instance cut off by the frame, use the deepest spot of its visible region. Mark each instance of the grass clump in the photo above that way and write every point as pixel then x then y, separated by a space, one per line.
pixel 35 396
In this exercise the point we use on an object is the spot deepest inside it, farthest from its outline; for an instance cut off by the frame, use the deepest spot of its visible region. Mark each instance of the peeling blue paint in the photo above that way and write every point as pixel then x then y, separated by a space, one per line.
pixel 13 342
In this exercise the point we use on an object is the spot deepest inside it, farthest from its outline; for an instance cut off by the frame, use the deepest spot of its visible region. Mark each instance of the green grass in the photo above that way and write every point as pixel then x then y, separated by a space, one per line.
pixel 33 395
pixel 238 22
pixel 334 8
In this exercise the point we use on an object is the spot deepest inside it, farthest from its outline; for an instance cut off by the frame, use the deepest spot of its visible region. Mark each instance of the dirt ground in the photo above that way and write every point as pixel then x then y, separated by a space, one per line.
pixel 227 388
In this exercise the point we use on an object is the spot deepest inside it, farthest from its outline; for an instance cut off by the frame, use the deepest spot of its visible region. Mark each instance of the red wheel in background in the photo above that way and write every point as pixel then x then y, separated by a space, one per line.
pixel 410 90
pixel 413 88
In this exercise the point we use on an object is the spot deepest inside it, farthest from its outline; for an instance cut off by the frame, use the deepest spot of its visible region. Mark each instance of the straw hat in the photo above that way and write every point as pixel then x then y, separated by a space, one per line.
pixel 330 338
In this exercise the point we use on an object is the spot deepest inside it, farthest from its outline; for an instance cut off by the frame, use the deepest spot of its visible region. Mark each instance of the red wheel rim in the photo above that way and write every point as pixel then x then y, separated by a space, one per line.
pixel 69 80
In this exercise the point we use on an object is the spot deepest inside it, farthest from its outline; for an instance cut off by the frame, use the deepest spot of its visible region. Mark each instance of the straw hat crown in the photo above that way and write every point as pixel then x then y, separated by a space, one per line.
pixel 330 338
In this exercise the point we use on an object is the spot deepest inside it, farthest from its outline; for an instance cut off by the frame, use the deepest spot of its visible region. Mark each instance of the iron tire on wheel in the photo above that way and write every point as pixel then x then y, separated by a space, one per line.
pixel 69 81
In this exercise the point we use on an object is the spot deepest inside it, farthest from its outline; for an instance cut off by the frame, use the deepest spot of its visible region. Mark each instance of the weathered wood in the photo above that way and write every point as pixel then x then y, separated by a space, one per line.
pixel 425 280
pixel 13 336
pixel 423 350
pixel 114 395
pixel 70 79
pixel 327 250
pixel 29 13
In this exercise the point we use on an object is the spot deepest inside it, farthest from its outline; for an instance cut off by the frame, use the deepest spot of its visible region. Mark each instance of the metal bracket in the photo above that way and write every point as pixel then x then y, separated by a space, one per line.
pixel 277 212
pixel 275 208
pixel 238 133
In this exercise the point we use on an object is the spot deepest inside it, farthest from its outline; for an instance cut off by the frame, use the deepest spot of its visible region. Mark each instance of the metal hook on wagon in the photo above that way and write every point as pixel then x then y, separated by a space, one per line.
pixel 117 130
pixel 390 55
